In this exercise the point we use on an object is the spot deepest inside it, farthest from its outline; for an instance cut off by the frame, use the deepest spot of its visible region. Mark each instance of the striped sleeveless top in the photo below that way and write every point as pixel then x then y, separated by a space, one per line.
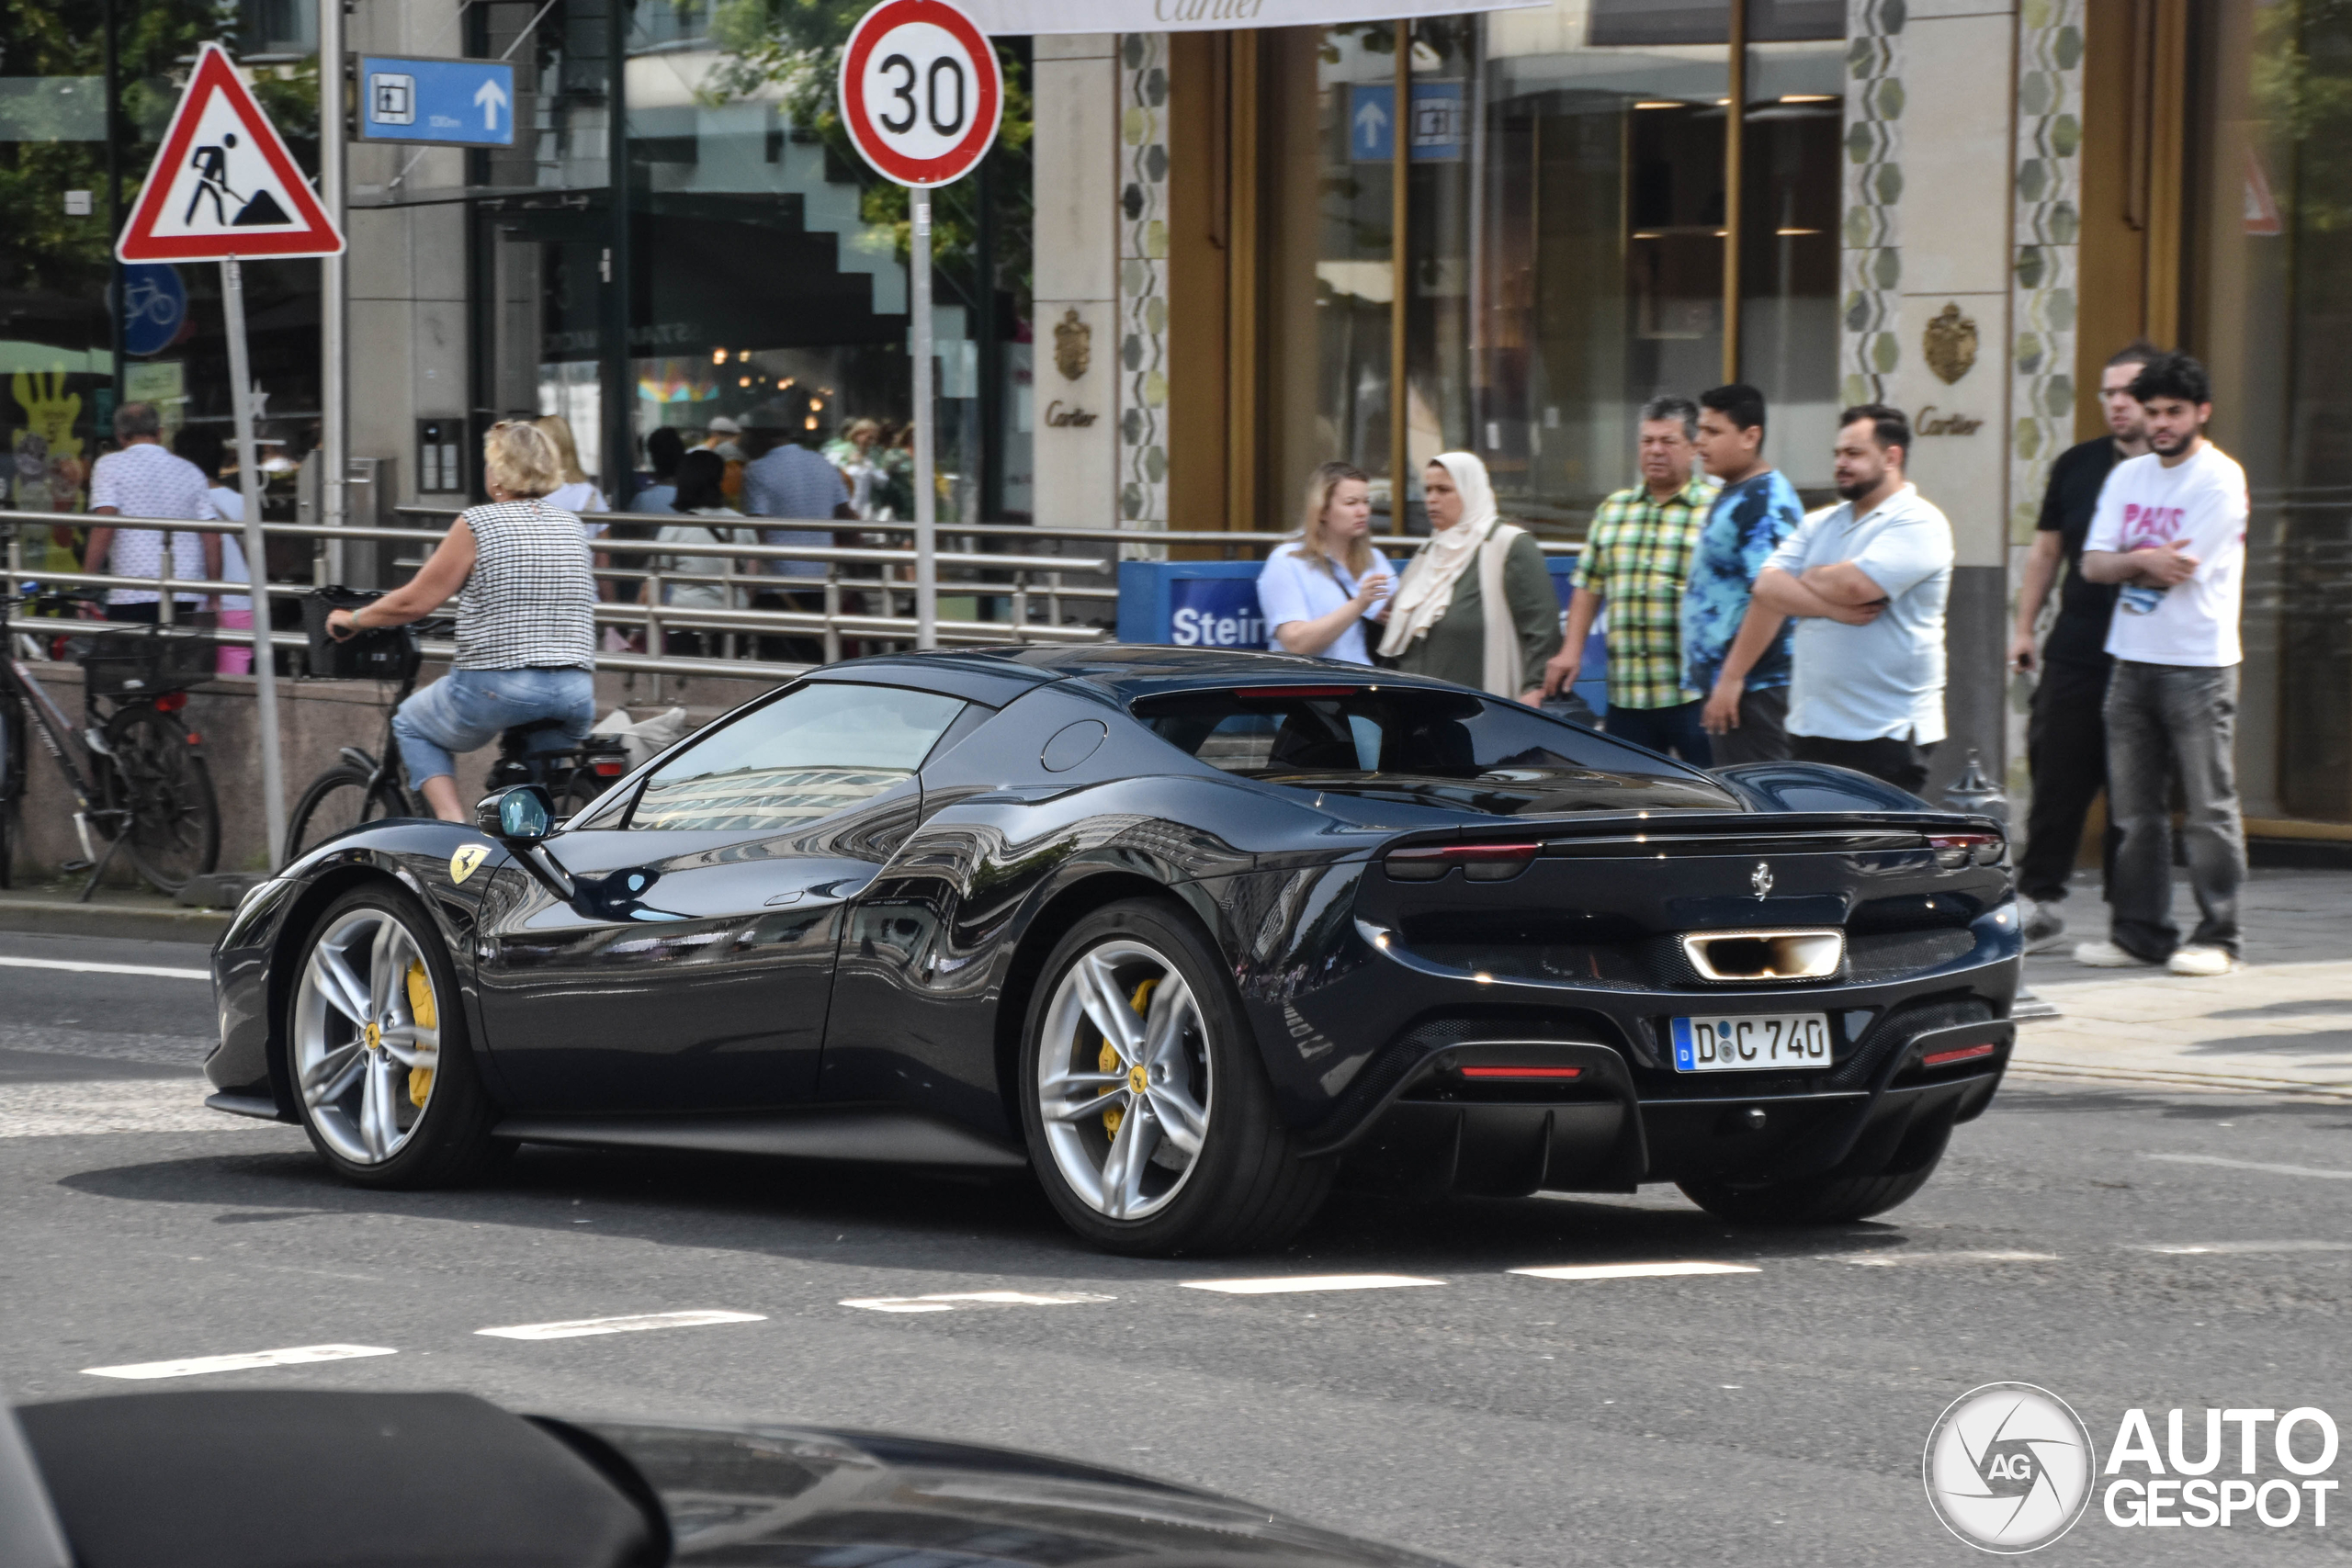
pixel 530 601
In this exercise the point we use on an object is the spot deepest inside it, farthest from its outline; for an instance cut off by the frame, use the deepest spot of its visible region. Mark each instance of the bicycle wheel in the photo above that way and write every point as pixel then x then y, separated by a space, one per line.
pixel 337 801
pixel 171 821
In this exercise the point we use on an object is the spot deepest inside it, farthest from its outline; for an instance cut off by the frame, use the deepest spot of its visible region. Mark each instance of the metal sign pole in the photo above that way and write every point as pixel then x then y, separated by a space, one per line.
pixel 926 492
pixel 335 449
pixel 273 763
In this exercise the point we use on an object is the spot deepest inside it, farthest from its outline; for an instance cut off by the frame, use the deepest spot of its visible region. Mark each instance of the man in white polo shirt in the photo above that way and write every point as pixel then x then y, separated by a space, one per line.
pixel 2170 529
pixel 143 480
pixel 1867 580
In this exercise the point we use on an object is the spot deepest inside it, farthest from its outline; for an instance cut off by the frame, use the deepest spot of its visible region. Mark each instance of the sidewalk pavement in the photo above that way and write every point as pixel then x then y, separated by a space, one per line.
pixel 2281 1023
pixel 138 913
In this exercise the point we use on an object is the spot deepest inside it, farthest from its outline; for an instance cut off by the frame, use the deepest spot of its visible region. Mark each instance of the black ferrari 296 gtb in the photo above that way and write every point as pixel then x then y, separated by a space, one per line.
pixel 1190 934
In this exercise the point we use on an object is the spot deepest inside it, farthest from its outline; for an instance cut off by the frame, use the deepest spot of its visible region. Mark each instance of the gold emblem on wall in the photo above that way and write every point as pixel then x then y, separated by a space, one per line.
pixel 1073 344
pixel 1952 344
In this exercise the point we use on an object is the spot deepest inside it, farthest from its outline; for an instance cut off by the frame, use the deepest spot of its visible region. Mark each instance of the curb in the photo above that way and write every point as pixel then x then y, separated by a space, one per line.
pixel 62 916
pixel 2158 1078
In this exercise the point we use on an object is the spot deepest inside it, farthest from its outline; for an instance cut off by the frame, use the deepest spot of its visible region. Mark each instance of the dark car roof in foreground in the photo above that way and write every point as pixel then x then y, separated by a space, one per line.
pixel 1121 670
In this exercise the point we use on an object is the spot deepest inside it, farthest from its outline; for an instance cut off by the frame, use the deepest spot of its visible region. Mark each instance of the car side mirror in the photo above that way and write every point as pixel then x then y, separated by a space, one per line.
pixel 522 813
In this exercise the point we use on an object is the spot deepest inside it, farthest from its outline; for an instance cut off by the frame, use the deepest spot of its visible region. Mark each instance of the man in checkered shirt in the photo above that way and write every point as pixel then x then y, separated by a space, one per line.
pixel 1635 561
pixel 143 480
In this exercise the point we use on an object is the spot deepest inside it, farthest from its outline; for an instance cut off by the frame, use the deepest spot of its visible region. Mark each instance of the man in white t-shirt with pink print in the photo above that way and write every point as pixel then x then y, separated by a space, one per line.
pixel 2170 530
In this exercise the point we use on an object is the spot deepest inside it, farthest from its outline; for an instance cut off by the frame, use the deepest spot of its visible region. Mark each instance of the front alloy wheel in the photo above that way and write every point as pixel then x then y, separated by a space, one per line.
pixel 1124 1085
pixel 366 1035
pixel 376 1049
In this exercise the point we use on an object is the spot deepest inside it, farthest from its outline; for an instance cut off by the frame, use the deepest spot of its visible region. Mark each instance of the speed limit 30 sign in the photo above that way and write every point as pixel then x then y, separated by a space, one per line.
pixel 920 91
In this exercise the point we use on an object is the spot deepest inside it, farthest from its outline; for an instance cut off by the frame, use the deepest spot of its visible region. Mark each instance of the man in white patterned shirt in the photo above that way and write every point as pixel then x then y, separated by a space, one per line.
pixel 143 480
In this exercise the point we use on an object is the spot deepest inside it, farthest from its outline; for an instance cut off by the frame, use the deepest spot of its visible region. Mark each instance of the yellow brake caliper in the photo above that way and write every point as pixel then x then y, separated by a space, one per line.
pixel 1108 1061
pixel 420 1008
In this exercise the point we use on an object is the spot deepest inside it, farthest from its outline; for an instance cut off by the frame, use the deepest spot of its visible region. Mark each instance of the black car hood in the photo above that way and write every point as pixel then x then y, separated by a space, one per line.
pixel 808 1496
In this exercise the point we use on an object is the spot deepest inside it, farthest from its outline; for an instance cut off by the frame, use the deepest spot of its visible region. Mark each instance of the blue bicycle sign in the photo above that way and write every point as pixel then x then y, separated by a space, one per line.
pixel 154 307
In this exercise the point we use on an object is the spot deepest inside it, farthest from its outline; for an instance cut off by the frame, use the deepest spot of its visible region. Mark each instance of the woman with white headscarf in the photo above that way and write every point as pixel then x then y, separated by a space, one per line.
pixel 1440 622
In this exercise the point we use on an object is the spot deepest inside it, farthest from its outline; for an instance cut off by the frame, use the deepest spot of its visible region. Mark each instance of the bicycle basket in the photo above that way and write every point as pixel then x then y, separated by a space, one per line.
pixel 145 664
pixel 382 653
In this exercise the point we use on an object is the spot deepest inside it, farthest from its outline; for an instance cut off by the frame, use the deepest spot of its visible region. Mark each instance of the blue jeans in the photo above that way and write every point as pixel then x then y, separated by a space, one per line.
pixel 2167 721
pixel 467 709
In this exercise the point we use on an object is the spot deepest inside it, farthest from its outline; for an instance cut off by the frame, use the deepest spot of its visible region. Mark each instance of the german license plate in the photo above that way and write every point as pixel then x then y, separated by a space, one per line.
pixel 1751 1043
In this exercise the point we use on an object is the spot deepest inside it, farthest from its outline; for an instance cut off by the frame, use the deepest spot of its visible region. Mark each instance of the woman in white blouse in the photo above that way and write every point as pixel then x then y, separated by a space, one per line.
pixel 1317 593
pixel 700 477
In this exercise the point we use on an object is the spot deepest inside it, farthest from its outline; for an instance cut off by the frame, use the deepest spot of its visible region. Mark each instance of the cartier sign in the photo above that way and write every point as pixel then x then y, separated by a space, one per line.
pixel 1927 422
pixel 1060 416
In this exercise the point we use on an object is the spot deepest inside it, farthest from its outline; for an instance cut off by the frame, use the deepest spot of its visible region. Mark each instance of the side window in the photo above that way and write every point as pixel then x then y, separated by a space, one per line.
pixel 808 754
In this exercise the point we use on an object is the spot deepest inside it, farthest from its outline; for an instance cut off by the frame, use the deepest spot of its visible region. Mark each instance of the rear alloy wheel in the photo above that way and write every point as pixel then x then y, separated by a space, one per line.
pixel 377 1046
pixel 1148 1114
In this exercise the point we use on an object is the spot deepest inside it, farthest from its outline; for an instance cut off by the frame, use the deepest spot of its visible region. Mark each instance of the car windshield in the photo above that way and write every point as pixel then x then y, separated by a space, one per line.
pixel 807 755
pixel 1432 747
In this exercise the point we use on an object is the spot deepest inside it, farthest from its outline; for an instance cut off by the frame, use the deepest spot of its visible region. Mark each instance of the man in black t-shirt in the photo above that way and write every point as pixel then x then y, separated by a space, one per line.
pixel 2066 735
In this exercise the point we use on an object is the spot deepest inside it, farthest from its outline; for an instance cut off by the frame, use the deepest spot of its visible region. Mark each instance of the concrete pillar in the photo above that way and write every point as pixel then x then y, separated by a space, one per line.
pixel 1074 87
pixel 1929 109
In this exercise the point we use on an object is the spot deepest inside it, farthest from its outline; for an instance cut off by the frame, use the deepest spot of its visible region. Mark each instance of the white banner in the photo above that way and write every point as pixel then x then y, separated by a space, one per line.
pixel 1015 17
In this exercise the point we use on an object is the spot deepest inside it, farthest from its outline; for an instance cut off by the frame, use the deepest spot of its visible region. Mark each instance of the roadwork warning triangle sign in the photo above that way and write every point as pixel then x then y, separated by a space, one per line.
pixel 223 184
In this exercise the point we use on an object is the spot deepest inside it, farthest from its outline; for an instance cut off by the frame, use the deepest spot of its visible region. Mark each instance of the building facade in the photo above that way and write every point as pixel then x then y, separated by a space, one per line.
pixel 1204 258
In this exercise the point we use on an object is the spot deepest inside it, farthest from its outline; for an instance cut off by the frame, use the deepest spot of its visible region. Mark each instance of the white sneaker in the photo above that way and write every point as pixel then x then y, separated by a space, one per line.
pixel 2106 955
pixel 2201 960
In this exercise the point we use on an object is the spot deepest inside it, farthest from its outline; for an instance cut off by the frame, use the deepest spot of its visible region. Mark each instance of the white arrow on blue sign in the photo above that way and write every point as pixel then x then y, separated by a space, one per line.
pixel 459 103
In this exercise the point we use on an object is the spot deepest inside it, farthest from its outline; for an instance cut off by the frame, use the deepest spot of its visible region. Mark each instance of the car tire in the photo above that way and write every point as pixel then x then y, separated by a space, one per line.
pixel 1811 1199
pixel 352 1092
pixel 1242 1186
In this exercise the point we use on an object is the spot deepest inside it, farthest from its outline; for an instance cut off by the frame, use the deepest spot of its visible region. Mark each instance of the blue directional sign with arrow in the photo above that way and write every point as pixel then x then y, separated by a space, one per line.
pixel 1437 130
pixel 459 103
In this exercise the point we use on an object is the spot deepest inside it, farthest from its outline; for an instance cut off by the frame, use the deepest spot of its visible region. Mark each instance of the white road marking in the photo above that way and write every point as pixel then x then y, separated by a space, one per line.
pixel 2195 1248
pixel 195 1365
pixel 85 966
pixel 1634 1270
pixel 1309 1282
pixel 111 1105
pixel 2254 1165
pixel 951 1301
pixel 579 1328
pixel 1906 1260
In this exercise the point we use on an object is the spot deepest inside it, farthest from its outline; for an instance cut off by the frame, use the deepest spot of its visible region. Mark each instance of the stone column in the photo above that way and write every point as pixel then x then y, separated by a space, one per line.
pixel 1928 261
pixel 1076 373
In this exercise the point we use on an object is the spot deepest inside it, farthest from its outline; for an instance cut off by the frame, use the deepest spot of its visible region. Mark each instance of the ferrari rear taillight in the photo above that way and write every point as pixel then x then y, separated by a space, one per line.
pixel 1956 850
pixel 1479 862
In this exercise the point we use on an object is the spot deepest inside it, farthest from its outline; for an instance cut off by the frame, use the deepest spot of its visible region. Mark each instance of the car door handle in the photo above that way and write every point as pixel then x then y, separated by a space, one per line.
pixel 792 897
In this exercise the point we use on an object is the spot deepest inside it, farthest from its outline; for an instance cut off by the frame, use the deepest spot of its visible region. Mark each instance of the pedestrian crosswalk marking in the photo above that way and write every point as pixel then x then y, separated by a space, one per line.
pixel 582 1327
pixel 1632 1270
pixel 195 1366
pixel 1299 1283
pixel 953 1300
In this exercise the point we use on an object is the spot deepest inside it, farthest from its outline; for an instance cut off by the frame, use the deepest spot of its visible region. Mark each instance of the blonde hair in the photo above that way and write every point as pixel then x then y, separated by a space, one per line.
pixel 1320 485
pixel 558 429
pixel 522 459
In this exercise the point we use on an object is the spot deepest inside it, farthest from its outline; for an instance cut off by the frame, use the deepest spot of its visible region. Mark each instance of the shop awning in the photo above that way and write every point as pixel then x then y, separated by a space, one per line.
pixel 1015 17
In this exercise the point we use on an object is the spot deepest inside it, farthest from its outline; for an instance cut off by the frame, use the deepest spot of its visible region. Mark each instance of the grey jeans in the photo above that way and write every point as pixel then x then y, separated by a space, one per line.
pixel 2168 721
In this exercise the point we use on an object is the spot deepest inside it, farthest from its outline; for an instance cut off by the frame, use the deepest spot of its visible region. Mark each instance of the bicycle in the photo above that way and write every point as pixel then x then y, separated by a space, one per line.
pixel 372 787
pixel 135 770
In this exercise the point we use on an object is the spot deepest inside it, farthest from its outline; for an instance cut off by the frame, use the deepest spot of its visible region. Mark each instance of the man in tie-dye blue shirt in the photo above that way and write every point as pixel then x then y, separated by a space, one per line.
pixel 1735 652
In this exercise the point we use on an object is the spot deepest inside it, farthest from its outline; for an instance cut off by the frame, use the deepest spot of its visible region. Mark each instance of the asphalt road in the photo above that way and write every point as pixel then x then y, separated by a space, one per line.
pixel 1763 1417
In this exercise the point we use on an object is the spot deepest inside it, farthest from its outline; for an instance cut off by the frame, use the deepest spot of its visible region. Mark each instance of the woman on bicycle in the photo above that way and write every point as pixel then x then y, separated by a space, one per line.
pixel 526 602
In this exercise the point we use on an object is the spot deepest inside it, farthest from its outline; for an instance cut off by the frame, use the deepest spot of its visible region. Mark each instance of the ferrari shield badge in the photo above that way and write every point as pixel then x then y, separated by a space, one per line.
pixel 463 863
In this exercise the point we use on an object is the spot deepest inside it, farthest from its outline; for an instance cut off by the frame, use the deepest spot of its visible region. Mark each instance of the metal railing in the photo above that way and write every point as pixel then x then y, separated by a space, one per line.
pixel 832 621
